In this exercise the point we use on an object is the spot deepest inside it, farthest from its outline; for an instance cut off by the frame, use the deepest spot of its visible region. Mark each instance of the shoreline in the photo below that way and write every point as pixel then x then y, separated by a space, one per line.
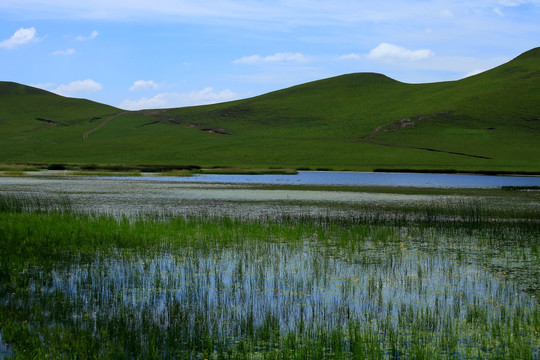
pixel 29 168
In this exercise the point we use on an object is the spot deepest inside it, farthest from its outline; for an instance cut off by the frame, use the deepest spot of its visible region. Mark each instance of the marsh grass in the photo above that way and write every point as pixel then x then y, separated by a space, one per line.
pixel 12 173
pixel 6 167
pixel 15 203
pixel 248 171
pixel 177 173
pixel 104 173
pixel 453 281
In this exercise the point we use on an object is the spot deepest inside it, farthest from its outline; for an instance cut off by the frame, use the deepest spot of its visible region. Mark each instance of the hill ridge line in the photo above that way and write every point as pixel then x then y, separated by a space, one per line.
pixel 486 122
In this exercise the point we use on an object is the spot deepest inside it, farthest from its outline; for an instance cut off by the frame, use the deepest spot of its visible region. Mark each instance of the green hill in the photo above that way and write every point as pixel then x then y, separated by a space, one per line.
pixel 364 121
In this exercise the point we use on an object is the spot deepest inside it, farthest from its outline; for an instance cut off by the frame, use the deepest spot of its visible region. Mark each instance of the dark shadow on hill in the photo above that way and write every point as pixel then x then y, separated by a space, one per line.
pixel 429 149
pixel 412 122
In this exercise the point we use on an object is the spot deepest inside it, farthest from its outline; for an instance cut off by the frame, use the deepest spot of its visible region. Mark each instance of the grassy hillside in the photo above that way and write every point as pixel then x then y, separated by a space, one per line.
pixel 363 121
pixel 24 105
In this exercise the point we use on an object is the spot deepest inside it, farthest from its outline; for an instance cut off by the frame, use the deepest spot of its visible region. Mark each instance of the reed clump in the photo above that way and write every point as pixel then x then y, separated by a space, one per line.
pixel 446 283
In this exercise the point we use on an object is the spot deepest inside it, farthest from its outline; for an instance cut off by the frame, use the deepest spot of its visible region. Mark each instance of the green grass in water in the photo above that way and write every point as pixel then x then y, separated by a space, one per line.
pixel 434 286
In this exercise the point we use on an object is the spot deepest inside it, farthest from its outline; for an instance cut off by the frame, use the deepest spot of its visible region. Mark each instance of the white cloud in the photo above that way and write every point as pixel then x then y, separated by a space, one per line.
pixel 455 67
pixel 498 12
pixel 20 37
pixel 255 14
pixel 205 10
pixel 276 58
pixel 64 52
pixel 351 56
pixel 512 2
pixel 78 87
pixel 168 100
pixel 93 35
pixel 143 85
pixel 394 52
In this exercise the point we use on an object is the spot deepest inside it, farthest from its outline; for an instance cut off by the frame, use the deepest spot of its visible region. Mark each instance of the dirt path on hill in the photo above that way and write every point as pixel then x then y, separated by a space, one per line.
pixel 105 122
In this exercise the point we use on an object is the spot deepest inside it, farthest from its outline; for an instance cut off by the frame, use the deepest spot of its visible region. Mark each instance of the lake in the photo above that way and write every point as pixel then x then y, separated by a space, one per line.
pixel 356 179
pixel 132 195
pixel 186 196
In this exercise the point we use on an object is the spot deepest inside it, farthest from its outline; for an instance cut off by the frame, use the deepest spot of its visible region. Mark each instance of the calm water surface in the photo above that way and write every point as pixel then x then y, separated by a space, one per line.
pixel 359 179
pixel 231 195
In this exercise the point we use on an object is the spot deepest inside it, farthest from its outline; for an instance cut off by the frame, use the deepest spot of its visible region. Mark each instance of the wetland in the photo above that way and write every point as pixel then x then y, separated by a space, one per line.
pixel 139 269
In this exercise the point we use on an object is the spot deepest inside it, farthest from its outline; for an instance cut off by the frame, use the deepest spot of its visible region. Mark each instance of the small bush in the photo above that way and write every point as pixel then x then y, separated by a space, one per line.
pixel 56 167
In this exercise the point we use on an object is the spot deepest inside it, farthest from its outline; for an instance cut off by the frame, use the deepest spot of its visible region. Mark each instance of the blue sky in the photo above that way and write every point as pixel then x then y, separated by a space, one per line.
pixel 166 53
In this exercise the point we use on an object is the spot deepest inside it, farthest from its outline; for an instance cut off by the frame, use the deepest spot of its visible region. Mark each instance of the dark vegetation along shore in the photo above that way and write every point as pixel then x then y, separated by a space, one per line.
pixel 438 280
pixel 484 123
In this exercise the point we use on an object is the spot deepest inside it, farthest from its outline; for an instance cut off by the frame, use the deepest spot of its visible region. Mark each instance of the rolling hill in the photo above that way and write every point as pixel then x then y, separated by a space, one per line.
pixel 363 121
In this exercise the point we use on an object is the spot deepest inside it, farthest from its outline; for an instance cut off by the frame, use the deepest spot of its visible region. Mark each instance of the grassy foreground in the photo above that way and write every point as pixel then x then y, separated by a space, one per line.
pixel 449 281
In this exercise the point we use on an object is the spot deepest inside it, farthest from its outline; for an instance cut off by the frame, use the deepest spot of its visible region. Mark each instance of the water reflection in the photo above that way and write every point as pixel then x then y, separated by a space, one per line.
pixel 294 288
pixel 5 350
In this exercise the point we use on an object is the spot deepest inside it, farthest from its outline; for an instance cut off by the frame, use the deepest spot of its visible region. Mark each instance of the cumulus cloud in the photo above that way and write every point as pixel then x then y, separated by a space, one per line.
pixel 78 87
pixel 93 35
pixel 63 52
pixel 276 58
pixel 167 100
pixel 143 85
pixel 20 37
pixel 394 52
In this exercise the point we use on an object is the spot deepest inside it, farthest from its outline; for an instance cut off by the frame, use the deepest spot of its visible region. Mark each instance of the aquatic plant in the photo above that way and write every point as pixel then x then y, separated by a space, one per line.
pixel 443 283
